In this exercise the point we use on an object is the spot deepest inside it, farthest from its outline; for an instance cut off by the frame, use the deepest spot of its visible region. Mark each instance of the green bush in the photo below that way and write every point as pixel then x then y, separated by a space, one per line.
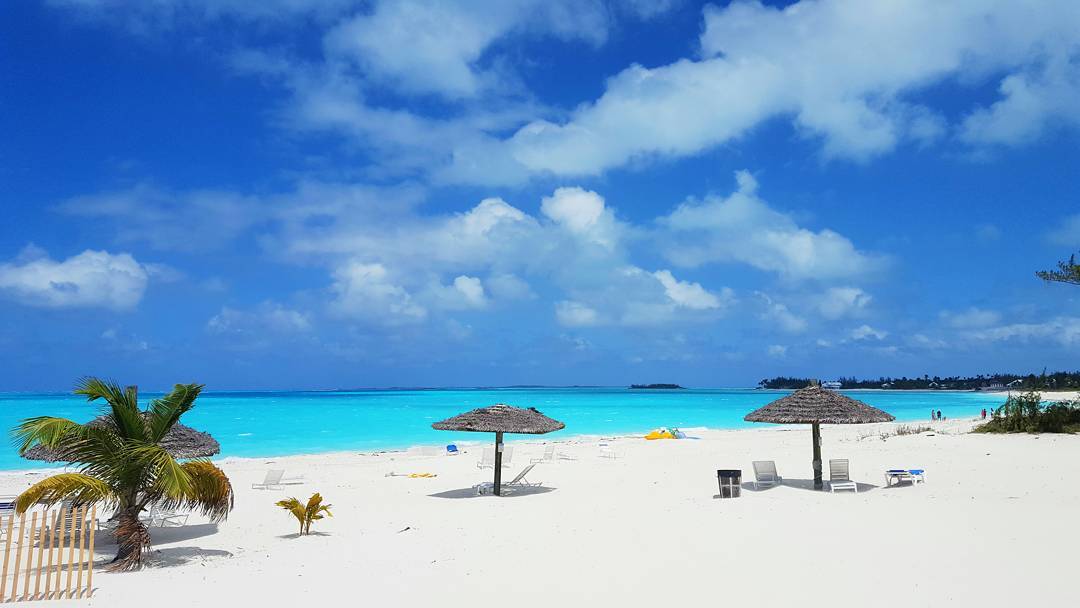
pixel 1026 413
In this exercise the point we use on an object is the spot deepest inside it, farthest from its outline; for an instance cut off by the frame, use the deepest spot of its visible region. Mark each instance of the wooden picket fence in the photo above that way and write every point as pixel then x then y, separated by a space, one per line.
pixel 39 553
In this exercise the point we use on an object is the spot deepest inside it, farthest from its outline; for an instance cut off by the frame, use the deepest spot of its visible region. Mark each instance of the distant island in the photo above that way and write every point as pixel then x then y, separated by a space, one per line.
pixel 660 386
pixel 1045 381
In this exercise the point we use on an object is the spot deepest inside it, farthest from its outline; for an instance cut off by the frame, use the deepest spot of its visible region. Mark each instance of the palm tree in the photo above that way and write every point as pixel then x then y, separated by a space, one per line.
pixel 1068 272
pixel 123 465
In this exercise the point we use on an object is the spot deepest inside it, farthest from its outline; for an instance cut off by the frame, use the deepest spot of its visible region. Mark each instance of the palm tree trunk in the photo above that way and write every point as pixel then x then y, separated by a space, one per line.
pixel 132 538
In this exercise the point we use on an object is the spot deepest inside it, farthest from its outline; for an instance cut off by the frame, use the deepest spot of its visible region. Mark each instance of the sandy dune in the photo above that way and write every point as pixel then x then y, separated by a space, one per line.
pixel 993 526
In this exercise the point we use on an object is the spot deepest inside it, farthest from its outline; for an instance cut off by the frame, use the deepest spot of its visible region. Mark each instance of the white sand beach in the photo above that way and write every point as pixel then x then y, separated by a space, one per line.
pixel 992 526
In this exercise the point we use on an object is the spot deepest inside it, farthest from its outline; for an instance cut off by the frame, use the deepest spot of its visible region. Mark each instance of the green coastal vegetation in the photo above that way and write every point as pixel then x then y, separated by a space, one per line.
pixel 1045 381
pixel 1028 413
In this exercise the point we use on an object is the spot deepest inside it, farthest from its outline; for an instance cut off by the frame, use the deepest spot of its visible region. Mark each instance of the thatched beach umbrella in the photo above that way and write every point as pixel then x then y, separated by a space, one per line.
pixel 500 418
pixel 816 406
pixel 181 441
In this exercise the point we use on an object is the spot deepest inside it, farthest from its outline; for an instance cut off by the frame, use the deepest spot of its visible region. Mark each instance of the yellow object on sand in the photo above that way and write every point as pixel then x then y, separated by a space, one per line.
pixel 660 434
pixel 415 475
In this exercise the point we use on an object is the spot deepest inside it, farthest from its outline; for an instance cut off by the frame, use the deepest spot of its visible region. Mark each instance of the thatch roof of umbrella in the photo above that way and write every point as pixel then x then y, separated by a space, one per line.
pixel 501 418
pixel 816 405
pixel 181 441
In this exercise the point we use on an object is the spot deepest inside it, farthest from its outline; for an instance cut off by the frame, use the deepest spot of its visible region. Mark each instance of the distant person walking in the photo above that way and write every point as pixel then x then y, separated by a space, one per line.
pixel 984 413
pixel 933 415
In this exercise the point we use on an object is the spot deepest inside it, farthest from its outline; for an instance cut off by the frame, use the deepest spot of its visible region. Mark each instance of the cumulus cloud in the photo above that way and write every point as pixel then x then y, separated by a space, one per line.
pixel 840 302
pixel 1063 330
pixel 266 317
pixel 690 295
pixel 424 47
pixel 743 228
pixel 462 294
pixel 575 314
pixel 865 332
pixel 91 279
pixel 366 291
pixel 845 71
pixel 778 314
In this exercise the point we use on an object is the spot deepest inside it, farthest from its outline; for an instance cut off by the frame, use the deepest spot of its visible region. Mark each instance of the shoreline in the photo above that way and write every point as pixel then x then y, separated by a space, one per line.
pixel 483 440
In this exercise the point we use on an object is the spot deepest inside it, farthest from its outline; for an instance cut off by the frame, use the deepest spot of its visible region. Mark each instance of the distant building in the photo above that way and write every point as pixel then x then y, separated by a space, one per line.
pixel 1015 383
pixel 833 384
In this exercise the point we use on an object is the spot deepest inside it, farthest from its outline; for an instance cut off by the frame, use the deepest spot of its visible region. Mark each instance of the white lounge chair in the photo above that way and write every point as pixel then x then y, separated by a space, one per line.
pixel 275 478
pixel 514 484
pixel 487 457
pixel 271 481
pixel 549 455
pixel 840 476
pixel 608 451
pixel 166 518
pixel 765 474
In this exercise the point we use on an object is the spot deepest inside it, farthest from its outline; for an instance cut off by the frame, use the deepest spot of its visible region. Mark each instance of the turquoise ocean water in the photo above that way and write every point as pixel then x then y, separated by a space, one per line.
pixel 284 423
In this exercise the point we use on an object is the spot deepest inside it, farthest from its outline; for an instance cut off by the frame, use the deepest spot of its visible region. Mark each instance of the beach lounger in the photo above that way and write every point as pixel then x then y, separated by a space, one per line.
pixel 608 451
pixel 166 518
pixel 765 474
pixel 913 476
pixel 275 478
pixel 549 455
pixel 271 481
pixel 515 484
pixel 487 457
pixel 840 477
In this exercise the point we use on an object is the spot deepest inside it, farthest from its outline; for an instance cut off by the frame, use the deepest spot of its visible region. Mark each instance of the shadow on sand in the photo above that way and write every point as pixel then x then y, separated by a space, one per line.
pixel 178 556
pixel 162 536
pixel 507 492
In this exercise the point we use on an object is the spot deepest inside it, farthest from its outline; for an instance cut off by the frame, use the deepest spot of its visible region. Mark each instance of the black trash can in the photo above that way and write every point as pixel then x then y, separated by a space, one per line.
pixel 730 481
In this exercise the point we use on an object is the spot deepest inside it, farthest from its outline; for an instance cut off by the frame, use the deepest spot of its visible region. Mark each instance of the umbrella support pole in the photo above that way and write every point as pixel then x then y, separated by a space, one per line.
pixel 498 463
pixel 818 484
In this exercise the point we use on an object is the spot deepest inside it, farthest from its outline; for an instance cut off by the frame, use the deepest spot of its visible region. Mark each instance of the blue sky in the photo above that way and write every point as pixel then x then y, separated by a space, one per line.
pixel 321 194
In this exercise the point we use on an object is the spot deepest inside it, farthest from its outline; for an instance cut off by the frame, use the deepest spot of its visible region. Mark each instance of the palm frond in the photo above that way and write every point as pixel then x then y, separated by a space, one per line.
pixel 166 476
pixel 123 405
pixel 164 412
pixel 44 430
pixel 76 487
pixel 211 491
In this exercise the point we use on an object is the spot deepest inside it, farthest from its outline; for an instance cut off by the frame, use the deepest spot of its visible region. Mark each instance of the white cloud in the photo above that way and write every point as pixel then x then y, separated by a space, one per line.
pixel 266 317
pixel 1067 234
pixel 846 71
pixel 865 332
pixel 970 318
pixel 1063 330
pixel 840 302
pixel 924 341
pixel 575 314
pixel 424 47
pixel 463 293
pixel 743 228
pixel 691 295
pixel 508 286
pixel 366 291
pixel 91 279
pixel 583 213
pixel 778 313
pixel 778 351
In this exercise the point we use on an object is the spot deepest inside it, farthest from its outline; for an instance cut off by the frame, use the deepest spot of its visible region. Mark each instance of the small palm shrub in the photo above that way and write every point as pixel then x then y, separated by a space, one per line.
pixel 306 513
